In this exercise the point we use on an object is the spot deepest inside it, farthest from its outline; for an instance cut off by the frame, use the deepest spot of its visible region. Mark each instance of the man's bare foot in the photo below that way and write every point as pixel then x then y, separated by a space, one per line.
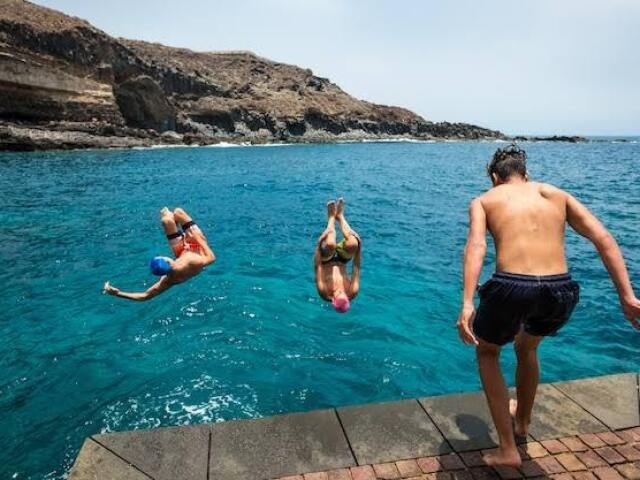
pixel 340 207
pixel 519 428
pixel 505 458
pixel 331 209
pixel 164 211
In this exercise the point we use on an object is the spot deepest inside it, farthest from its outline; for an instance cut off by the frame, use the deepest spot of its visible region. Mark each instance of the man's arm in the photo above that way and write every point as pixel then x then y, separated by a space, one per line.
pixel 157 288
pixel 586 224
pixel 355 269
pixel 474 252
pixel 199 237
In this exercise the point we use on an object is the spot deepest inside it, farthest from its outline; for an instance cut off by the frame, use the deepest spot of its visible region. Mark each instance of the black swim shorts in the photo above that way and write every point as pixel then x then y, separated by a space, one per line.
pixel 539 304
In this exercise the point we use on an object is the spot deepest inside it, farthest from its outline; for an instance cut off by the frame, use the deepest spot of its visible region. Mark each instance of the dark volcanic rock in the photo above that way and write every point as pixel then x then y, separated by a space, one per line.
pixel 66 84
pixel 144 105
pixel 554 138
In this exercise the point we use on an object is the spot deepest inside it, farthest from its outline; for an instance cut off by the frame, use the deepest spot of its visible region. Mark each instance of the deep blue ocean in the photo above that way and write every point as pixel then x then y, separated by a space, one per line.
pixel 250 337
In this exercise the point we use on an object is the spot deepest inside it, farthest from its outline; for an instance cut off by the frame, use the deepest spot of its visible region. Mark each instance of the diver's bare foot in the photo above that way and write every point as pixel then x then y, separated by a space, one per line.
pixel 340 207
pixel 164 211
pixel 505 458
pixel 519 428
pixel 331 209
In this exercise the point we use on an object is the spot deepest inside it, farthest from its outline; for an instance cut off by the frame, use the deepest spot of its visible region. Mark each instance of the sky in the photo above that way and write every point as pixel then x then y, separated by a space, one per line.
pixel 522 67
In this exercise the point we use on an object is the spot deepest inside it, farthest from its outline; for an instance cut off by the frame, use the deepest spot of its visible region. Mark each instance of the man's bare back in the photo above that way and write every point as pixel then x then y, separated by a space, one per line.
pixel 527 221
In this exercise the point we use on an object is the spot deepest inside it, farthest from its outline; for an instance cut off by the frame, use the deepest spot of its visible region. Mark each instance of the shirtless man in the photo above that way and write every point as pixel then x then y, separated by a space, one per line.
pixel 190 248
pixel 331 259
pixel 531 295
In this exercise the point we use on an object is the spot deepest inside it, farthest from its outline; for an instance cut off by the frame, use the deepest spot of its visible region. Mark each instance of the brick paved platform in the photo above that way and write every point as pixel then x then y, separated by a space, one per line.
pixel 584 430
pixel 614 456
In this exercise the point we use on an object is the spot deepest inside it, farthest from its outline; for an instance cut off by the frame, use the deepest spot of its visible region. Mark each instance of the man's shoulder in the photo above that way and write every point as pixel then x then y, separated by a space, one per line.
pixel 548 190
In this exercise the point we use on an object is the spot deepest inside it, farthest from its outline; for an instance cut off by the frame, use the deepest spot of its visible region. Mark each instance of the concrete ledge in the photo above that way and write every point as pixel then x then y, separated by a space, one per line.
pixel 280 445
pixel 163 453
pixel 97 463
pixel 334 440
pixel 612 399
pixel 388 431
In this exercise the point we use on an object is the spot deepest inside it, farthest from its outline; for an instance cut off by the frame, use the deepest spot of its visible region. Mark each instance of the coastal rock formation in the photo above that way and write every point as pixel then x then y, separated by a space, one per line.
pixel 553 138
pixel 66 84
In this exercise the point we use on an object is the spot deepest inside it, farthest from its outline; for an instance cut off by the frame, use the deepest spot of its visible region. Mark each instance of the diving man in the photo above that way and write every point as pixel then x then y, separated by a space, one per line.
pixel 192 253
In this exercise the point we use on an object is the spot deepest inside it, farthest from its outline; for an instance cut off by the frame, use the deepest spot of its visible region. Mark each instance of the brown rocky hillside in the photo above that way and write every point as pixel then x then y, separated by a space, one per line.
pixel 67 84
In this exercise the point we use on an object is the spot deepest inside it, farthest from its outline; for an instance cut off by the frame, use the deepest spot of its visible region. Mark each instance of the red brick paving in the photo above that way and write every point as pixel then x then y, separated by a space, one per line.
pixel 591 459
pixel 408 468
pixel 316 476
pixel 610 455
pixel 365 472
pixel 610 438
pixel 584 476
pixel 554 446
pixel 629 471
pixel 472 459
pixel 602 456
pixel 574 444
pixel 533 450
pixel 629 452
pixel 386 471
pixel 429 464
pixel 508 473
pixel 451 461
pixel 570 462
pixel 339 474
pixel 592 440
pixel 607 473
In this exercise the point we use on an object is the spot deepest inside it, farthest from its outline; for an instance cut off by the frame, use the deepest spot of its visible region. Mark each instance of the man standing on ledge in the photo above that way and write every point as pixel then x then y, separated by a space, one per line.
pixel 330 260
pixel 531 295
pixel 192 253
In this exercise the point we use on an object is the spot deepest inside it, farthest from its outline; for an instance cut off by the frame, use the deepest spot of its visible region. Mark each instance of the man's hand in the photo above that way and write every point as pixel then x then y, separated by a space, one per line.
pixel 631 309
pixel 107 288
pixel 465 325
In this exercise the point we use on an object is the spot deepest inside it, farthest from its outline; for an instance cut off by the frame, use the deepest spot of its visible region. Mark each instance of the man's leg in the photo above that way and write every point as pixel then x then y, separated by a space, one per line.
pixel 527 378
pixel 351 243
pixel 174 237
pixel 328 244
pixel 498 400
pixel 181 216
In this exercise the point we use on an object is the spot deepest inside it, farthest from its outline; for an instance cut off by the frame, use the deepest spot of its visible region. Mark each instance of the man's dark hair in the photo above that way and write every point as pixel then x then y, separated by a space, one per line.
pixel 507 162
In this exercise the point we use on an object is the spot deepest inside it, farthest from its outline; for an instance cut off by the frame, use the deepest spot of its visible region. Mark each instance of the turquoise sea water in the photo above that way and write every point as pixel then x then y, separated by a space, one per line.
pixel 249 337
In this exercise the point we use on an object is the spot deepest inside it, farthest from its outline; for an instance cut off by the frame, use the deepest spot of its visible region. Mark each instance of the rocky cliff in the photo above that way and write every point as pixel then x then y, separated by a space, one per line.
pixel 66 84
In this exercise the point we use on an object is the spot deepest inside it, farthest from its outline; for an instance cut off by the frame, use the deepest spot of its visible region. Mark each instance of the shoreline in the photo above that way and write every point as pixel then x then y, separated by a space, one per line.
pixel 58 141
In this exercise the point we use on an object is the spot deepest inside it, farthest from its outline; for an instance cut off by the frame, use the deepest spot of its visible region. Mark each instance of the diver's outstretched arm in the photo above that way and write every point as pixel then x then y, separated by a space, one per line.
pixel 157 288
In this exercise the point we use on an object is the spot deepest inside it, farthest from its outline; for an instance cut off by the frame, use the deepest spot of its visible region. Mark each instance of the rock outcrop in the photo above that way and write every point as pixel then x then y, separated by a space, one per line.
pixel 552 138
pixel 66 84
